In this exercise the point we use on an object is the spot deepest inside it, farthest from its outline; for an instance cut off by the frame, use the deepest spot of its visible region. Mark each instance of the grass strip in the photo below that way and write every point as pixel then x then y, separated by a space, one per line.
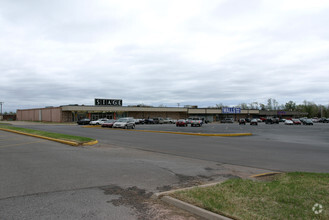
pixel 283 196
pixel 78 139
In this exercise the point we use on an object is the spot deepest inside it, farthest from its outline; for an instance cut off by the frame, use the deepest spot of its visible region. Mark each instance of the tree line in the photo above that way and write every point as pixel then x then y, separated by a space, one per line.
pixel 311 108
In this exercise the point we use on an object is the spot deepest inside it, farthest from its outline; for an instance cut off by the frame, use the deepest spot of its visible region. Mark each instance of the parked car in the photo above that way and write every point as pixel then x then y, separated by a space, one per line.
pixel 254 122
pixel 296 121
pixel 181 123
pixel 289 122
pixel 158 120
pixel 108 123
pixel 168 121
pixel 84 121
pixel 149 121
pixel 307 122
pixel 262 118
pixel 139 121
pixel 227 120
pixel 124 123
pixel 196 122
pixel 242 121
pixel 99 121
pixel 282 120
pixel 323 120
pixel 248 120
pixel 271 120
pixel 188 121
pixel 315 120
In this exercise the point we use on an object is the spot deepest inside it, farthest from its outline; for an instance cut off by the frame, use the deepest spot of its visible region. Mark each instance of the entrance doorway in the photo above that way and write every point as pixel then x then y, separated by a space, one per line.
pixel 96 116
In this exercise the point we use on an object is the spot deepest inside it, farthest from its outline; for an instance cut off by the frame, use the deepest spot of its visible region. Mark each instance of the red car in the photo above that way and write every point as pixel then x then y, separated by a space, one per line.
pixel 181 123
pixel 108 123
pixel 296 121
pixel 262 118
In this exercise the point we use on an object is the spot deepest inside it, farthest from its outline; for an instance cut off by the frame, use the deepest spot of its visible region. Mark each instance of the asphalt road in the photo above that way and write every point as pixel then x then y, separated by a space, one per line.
pixel 275 147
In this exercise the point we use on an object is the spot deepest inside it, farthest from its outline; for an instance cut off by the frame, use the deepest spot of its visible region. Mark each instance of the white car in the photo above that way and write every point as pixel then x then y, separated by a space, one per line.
pixel 168 121
pixel 98 122
pixel 289 122
pixel 124 123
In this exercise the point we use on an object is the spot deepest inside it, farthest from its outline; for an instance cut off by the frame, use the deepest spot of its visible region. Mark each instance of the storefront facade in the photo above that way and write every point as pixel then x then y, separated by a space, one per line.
pixel 72 113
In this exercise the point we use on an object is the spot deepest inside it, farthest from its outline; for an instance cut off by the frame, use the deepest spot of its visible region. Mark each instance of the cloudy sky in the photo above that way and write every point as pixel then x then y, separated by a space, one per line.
pixel 163 52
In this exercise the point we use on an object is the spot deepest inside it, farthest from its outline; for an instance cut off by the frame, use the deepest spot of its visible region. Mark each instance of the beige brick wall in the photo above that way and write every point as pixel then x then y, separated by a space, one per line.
pixel 47 114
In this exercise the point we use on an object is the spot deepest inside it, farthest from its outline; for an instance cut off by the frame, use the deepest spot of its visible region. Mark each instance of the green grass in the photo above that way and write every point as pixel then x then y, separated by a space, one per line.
pixel 77 139
pixel 285 196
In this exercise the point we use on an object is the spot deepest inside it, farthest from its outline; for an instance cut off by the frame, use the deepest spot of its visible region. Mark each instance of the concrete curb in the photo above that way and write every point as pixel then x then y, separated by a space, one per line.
pixel 265 174
pixel 161 194
pixel 90 143
pixel 194 209
pixel 182 133
pixel 72 143
pixel 164 196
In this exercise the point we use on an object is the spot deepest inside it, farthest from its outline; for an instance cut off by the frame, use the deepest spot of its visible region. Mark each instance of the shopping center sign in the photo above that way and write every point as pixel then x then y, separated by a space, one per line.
pixel 108 102
pixel 227 110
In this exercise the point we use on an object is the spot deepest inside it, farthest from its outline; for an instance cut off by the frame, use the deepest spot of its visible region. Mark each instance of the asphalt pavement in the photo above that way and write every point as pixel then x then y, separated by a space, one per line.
pixel 275 147
pixel 41 179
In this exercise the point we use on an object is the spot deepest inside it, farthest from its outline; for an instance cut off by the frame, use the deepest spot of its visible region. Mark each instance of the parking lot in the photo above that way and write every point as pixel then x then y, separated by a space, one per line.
pixel 276 147
pixel 41 179
pixel 112 179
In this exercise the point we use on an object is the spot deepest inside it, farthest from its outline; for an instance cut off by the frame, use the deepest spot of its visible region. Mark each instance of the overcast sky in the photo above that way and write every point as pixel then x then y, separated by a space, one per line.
pixel 163 52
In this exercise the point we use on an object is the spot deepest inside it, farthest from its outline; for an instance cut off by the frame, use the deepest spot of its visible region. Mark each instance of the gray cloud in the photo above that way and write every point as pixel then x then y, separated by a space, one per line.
pixel 67 52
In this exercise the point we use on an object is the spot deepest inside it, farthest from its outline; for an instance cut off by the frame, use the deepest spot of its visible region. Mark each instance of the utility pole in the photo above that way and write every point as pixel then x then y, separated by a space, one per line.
pixel 1 110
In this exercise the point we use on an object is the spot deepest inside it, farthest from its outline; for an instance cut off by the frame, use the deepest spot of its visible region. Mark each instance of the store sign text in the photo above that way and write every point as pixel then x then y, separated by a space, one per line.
pixel 227 110
pixel 109 102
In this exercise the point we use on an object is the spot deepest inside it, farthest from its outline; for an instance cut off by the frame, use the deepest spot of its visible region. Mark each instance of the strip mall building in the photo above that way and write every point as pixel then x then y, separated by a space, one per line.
pixel 113 109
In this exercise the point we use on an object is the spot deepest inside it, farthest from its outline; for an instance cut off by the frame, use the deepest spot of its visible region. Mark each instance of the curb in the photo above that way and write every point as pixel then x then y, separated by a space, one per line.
pixel 183 133
pixel 194 209
pixel 164 196
pixel 161 194
pixel 90 143
pixel 72 143
pixel 265 174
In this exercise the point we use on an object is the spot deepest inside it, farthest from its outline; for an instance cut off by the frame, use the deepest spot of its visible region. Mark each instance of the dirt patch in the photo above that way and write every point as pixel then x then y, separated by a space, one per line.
pixel 145 207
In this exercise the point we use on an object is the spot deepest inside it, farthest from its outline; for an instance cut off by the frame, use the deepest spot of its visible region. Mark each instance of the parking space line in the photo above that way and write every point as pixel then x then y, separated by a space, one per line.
pixel 11 145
